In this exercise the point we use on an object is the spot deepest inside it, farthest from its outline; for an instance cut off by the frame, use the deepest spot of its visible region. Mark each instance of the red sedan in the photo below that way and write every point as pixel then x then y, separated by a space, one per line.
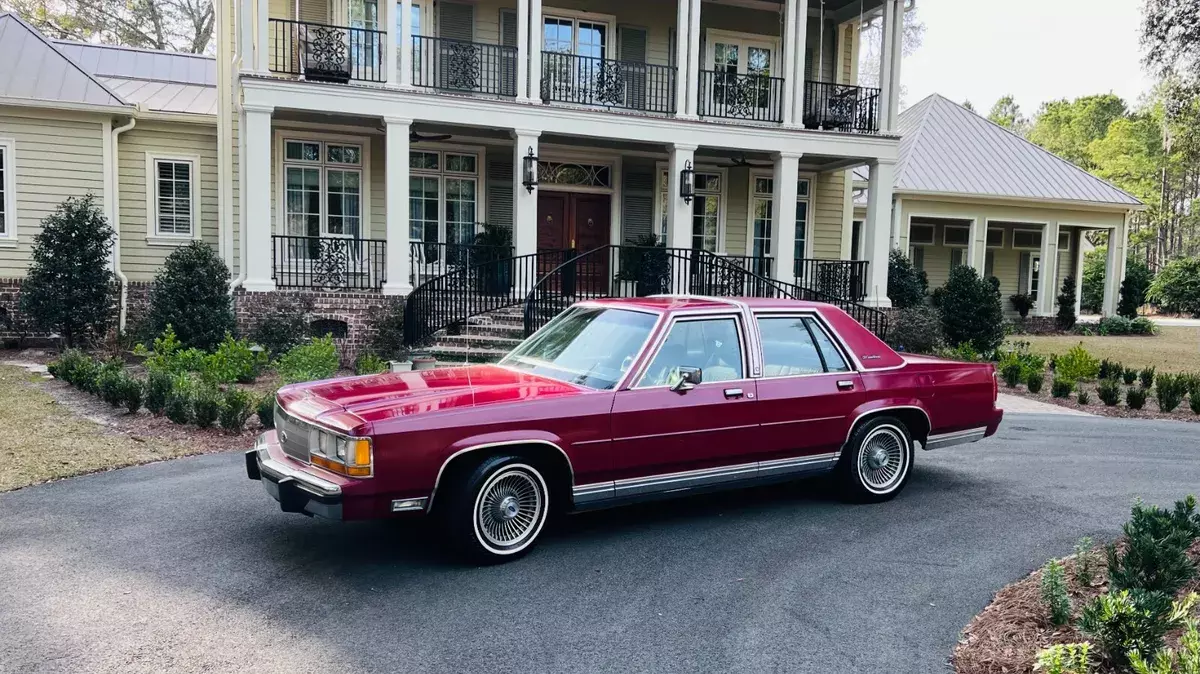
pixel 617 401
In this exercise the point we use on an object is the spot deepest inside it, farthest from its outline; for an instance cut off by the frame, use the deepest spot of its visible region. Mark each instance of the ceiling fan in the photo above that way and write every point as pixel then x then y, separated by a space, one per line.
pixel 414 137
pixel 741 160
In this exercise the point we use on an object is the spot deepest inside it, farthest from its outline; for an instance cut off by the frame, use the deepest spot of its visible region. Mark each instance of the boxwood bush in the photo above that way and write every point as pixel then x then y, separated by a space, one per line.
pixel 318 359
pixel 917 329
pixel 1135 398
pixel 1061 388
pixel 971 311
pixel 1034 381
pixel 1109 392
pixel 191 293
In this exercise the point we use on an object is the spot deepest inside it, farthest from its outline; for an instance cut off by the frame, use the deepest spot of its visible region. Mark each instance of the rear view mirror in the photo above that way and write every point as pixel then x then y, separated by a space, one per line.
pixel 686 378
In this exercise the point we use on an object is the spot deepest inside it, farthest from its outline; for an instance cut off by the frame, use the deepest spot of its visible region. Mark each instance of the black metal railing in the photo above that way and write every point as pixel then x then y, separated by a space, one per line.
pixel 431 259
pixel 590 80
pixel 328 262
pixel 472 290
pixel 468 67
pixel 734 96
pixel 327 53
pixel 837 278
pixel 841 107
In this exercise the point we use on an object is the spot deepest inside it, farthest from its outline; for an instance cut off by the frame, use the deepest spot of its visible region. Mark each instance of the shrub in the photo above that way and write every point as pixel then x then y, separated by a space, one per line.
pixel 1034 381
pixel 1194 403
pixel 963 352
pixel 1109 392
pixel 206 406
pixel 285 327
pixel 266 410
pixel 1124 622
pixel 1155 557
pixel 168 355
pixel 317 359
pixel 1054 592
pixel 917 329
pixel 68 288
pixel 1094 263
pixel 179 401
pixel 1115 325
pixel 1083 397
pixel 971 311
pixel 369 363
pixel 233 361
pixel 1142 326
pixel 1022 303
pixel 108 382
pixel 1147 377
pixel 1085 562
pixel 1064 659
pixel 1129 376
pixel 1169 391
pixel 1061 388
pixel 1135 398
pixel 1066 304
pixel 158 388
pixel 1177 286
pixel 1077 365
pixel 1166 661
pixel 131 393
pixel 907 285
pixel 1134 288
pixel 191 293
pixel 86 374
pixel 1012 373
pixel 236 408
pixel 1109 369
pixel 387 323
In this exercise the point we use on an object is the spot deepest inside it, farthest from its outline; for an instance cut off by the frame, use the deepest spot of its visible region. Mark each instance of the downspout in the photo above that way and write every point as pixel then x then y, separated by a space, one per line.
pixel 116 221
pixel 233 105
pixel 224 138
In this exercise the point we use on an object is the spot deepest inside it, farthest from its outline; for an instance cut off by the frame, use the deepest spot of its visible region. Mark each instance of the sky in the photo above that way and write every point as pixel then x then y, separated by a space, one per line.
pixel 1037 50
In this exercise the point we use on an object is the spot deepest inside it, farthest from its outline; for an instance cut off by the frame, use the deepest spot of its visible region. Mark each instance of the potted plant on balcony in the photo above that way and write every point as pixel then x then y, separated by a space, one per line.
pixel 645 264
pixel 493 258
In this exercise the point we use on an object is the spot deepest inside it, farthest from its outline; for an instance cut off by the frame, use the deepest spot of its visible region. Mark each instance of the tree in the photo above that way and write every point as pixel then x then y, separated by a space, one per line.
pixel 70 282
pixel 1171 37
pixel 1134 288
pixel 906 284
pixel 1066 304
pixel 191 294
pixel 1007 114
pixel 1068 128
pixel 1094 268
pixel 1177 286
pixel 871 39
pixel 171 25
pixel 969 106
pixel 971 311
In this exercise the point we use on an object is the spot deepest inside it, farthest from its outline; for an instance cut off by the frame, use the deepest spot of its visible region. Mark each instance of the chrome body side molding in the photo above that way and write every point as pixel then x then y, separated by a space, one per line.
pixel 956 438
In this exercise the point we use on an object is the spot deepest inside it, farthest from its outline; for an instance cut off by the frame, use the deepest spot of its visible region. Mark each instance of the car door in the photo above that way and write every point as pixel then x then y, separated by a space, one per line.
pixel 807 393
pixel 659 432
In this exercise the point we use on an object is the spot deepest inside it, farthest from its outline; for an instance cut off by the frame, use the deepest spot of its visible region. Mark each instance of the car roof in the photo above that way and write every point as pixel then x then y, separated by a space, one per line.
pixel 679 303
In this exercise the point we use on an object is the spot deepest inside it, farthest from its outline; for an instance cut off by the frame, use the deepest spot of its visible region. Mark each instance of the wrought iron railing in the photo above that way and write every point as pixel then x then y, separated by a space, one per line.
pixel 431 259
pixel 837 278
pixel 469 67
pixel 326 53
pixel 590 80
pixel 735 96
pixel 841 107
pixel 328 262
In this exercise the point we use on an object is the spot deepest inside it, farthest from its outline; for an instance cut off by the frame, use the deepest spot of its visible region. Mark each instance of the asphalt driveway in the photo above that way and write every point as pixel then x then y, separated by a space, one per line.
pixel 188 566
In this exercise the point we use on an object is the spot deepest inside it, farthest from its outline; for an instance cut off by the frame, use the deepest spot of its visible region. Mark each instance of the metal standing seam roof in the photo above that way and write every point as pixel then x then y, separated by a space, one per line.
pixel 157 80
pixel 35 69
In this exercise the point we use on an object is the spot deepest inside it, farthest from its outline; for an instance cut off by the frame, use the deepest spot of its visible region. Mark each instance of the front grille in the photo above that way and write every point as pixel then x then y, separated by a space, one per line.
pixel 293 434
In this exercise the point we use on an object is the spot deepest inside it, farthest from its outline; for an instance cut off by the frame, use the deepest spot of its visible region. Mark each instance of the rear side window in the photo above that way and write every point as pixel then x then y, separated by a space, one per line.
pixel 795 345
pixel 834 362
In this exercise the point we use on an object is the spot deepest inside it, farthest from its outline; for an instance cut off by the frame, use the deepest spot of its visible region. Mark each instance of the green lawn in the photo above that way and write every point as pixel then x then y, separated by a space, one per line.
pixel 1173 349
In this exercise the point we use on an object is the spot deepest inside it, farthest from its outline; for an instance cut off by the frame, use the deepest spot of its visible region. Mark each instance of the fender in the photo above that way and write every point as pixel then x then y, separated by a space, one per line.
pixel 882 404
pixel 491 440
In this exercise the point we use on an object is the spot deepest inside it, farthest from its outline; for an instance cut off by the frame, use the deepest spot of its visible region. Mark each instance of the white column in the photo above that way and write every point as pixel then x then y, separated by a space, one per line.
pixel 683 78
pixel 1048 273
pixel 1114 268
pixel 406 44
pixel 395 172
pixel 885 66
pixel 257 199
pixel 536 31
pixel 262 48
pixel 977 245
pixel 783 215
pixel 790 81
pixel 877 232
pixel 523 50
pixel 799 63
pixel 897 58
pixel 387 15
pixel 1077 246
pixel 246 35
pixel 525 202
pixel 679 212
pixel 694 66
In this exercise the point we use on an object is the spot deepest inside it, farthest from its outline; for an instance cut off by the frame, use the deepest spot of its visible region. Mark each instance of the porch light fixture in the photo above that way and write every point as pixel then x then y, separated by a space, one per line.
pixel 687 182
pixel 529 170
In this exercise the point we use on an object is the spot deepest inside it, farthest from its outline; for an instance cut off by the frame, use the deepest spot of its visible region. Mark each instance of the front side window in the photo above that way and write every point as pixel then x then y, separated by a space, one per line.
pixel 174 196
pixel 795 346
pixel 323 184
pixel 714 345
pixel 443 197
pixel 588 346
pixel 706 209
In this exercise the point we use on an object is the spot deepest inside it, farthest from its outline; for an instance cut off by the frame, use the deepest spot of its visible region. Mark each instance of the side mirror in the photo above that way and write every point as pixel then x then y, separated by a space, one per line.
pixel 688 378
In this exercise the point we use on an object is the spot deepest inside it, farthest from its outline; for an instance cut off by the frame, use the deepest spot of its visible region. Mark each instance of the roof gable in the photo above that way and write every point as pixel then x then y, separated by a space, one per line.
pixel 947 149
pixel 36 70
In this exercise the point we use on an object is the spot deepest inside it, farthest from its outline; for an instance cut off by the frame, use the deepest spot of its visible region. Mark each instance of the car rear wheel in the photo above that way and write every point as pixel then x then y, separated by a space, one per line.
pixel 498 511
pixel 876 461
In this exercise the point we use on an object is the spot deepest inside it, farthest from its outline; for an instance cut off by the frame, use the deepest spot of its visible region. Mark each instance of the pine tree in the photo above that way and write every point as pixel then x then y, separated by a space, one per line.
pixel 1066 304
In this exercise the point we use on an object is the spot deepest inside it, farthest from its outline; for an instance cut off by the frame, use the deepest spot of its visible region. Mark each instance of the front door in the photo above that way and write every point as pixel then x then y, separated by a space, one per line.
pixel 576 223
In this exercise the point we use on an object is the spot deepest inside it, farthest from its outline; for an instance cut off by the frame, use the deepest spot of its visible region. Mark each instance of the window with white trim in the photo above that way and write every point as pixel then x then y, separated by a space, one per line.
pixel 802 210
pixel 323 189
pixel 920 235
pixel 953 235
pixel 1027 239
pixel 172 185
pixel 995 237
pixel 1064 241
pixel 762 192
pixel 443 196
pixel 8 197
pixel 707 215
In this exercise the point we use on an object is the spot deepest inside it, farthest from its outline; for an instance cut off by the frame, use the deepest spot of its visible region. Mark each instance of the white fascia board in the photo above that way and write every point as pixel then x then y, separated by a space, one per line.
pixel 372 102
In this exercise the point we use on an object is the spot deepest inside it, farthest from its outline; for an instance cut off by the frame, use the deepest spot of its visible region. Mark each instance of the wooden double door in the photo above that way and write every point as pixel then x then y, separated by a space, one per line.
pixel 576 223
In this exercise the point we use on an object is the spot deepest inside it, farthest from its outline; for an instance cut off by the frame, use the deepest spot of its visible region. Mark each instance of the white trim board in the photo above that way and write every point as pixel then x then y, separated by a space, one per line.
pixel 9 237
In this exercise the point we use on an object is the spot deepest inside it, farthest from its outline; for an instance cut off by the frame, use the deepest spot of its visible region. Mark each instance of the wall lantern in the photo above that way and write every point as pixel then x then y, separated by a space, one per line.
pixel 687 183
pixel 529 170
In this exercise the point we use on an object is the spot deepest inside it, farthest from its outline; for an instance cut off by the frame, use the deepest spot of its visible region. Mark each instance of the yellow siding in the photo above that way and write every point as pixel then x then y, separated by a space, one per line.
pixel 828 207
pixel 849 32
pixel 737 211
pixel 55 159
pixel 140 258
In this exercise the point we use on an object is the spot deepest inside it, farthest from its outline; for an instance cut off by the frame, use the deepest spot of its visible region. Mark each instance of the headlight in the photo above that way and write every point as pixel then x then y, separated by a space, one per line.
pixel 340 453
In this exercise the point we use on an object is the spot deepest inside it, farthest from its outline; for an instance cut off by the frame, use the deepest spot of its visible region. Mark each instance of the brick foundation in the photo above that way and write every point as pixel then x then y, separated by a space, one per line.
pixel 1036 325
pixel 354 309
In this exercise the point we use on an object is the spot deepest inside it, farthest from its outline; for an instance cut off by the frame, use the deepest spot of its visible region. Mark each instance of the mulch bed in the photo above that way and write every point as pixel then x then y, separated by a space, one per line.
pixel 1006 637
pixel 1095 406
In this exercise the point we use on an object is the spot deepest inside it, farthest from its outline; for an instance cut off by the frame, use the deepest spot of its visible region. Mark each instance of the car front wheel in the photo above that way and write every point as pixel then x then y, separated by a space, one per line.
pixel 498 512
pixel 876 461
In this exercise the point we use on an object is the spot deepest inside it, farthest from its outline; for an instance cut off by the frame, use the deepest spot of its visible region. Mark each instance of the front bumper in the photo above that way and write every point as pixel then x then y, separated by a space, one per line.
pixel 296 490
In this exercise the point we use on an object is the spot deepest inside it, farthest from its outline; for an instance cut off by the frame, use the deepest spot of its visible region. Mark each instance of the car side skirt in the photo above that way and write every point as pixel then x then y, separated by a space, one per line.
pixel 956 438
pixel 606 494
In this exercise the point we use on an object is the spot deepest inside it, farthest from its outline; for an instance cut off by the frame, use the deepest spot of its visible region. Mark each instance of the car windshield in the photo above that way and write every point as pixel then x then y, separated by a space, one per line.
pixel 589 346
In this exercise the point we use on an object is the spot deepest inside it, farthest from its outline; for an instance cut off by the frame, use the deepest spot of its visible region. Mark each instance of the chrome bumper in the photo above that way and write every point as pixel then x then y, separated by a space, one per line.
pixel 296 490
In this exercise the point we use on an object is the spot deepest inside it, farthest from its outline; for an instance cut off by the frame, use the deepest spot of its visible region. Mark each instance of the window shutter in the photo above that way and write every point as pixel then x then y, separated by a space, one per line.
pixel 671 48
pixel 1023 274
pixel 989 264
pixel 500 191
pixel 508 58
pixel 508 28
pixel 633 51
pixel 637 201
pixel 456 21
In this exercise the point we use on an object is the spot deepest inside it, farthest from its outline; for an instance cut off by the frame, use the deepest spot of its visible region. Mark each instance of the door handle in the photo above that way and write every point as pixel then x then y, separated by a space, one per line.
pixel 733 393
pixel 845 385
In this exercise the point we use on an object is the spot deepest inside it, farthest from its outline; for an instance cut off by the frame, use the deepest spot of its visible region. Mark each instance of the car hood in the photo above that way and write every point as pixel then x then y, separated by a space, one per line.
pixel 348 403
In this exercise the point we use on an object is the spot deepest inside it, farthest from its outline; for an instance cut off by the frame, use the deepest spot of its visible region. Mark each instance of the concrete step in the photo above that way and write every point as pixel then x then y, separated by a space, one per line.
pixel 476 340
pixel 461 354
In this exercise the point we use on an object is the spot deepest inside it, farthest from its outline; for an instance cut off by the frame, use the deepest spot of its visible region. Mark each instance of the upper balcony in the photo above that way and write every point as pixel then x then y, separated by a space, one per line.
pixel 734 66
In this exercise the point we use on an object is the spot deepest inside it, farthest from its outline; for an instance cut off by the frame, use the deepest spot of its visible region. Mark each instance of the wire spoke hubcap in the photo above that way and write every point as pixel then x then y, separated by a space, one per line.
pixel 883 461
pixel 510 508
